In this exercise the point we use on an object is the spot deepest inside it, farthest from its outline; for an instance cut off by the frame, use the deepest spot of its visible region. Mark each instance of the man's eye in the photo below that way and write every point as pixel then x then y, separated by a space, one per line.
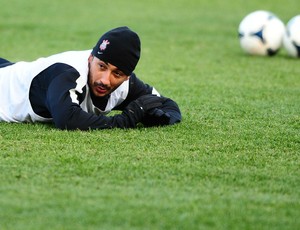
pixel 102 67
pixel 118 74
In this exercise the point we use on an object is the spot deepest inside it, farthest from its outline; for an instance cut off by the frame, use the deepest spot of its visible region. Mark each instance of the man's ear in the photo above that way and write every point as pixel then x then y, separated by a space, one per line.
pixel 91 57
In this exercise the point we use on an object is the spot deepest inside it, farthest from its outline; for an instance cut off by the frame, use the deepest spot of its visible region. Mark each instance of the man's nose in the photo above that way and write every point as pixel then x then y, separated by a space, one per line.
pixel 105 77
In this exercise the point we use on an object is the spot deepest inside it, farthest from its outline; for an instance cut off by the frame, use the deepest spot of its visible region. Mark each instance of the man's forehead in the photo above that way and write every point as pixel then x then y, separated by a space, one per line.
pixel 111 66
pixel 106 63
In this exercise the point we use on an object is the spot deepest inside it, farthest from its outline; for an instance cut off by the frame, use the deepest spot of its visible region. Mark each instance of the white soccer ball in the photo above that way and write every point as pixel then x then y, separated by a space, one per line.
pixel 291 38
pixel 261 33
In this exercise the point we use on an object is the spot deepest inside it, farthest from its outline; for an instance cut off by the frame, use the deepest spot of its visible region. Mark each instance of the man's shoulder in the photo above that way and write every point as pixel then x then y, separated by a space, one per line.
pixel 70 56
pixel 76 59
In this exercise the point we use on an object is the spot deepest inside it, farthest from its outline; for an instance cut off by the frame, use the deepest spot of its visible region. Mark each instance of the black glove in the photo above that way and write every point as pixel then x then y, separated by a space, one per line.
pixel 149 102
pixel 163 117
pixel 137 109
pixel 167 114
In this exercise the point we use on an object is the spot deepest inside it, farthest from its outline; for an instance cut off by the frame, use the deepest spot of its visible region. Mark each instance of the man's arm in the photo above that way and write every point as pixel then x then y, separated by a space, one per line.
pixel 167 114
pixel 65 93
pixel 72 117
pixel 57 92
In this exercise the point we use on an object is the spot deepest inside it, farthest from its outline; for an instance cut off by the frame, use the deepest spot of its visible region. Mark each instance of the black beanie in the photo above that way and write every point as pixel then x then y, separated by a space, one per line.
pixel 120 47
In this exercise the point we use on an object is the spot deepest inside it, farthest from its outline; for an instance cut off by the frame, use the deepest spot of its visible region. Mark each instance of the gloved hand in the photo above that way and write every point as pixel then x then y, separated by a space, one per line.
pixel 137 109
pixel 162 116
pixel 167 114
pixel 149 101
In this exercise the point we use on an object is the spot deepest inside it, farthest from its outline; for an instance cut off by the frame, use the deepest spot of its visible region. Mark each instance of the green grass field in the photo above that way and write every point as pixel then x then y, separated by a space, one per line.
pixel 233 162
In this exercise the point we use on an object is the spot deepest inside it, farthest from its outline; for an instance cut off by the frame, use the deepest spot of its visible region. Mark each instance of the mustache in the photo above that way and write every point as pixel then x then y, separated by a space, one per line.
pixel 100 84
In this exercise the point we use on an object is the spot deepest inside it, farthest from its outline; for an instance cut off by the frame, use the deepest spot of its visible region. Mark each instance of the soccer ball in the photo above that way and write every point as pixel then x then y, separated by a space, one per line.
pixel 261 33
pixel 291 38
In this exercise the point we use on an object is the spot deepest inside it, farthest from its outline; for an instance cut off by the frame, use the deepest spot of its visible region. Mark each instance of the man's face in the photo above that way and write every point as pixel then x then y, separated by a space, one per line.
pixel 104 78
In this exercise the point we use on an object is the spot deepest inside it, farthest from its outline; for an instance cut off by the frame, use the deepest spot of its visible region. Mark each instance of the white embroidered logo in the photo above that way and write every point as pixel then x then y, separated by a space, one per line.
pixel 104 44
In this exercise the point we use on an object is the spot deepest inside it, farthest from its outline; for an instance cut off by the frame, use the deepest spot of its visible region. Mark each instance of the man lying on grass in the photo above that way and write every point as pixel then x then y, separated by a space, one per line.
pixel 77 89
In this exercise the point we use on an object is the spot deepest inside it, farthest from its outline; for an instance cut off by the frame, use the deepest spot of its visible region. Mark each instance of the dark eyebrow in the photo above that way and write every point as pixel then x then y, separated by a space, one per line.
pixel 119 71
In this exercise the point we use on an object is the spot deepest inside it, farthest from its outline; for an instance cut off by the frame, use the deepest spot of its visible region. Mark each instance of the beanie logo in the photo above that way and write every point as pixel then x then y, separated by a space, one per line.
pixel 104 44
